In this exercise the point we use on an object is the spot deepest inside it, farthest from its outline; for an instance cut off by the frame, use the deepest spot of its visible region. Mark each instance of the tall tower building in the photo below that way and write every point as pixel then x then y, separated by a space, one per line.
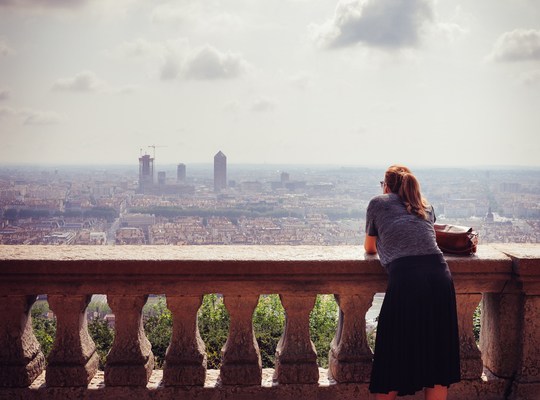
pixel 181 173
pixel 220 171
pixel 146 172
pixel 162 177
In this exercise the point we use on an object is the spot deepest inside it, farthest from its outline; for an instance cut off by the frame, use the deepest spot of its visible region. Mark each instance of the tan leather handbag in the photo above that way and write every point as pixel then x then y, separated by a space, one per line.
pixel 455 239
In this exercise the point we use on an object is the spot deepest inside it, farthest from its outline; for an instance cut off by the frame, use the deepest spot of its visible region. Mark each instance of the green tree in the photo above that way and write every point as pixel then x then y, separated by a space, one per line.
pixel 214 327
pixel 44 327
pixel 213 322
pixel 323 322
pixel 268 324
pixel 158 329
pixel 476 322
pixel 103 337
pixel 99 307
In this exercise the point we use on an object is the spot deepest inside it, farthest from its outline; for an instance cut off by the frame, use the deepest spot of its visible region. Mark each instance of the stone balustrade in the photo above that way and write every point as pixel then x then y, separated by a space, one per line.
pixel 505 278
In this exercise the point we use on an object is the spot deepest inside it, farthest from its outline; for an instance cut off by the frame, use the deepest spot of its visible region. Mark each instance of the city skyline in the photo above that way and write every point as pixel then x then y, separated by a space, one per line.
pixel 310 206
pixel 335 82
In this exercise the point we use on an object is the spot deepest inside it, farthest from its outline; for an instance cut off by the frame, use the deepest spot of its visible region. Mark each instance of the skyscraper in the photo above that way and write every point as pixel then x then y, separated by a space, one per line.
pixel 220 171
pixel 162 177
pixel 181 173
pixel 146 173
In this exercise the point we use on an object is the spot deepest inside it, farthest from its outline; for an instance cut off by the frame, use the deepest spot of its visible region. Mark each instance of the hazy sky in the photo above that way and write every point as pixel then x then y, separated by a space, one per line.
pixel 420 82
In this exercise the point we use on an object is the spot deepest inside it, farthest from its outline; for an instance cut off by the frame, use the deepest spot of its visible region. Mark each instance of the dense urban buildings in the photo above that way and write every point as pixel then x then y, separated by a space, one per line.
pixel 286 205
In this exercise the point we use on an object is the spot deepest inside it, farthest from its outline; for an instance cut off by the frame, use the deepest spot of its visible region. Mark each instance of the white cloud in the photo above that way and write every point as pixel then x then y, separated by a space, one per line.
pixel 41 4
pixel 456 26
pixel 32 117
pixel 210 63
pixel 171 67
pixel 263 105
pixel 4 47
pixel 125 90
pixel 116 7
pixel 48 7
pixel 391 24
pixel 302 80
pixel 85 81
pixel 517 45
pixel 198 15
pixel 89 82
pixel 531 78
pixel 384 107
pixel 452 31
pixel 177 59
pixel 175 14
pixel 7 112
pixel 231 107
pixel 4 94
pixel 140 48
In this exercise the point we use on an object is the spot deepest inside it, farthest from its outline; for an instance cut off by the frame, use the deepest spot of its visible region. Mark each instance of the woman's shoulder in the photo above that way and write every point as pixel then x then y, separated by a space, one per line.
pixel 384 198
pixel 381 201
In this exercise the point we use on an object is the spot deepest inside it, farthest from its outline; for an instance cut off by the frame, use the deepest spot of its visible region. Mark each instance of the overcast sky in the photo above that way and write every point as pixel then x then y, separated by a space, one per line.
pixel 368 82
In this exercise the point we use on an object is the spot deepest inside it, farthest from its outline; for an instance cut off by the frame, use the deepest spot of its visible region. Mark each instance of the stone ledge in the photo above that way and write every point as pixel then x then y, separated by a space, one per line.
pixel 222 269
pixel 155 382
pixel 325 390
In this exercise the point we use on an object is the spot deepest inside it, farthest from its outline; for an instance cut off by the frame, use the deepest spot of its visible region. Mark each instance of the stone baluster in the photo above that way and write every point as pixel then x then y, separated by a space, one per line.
pixel 502 327
pixel 526 281
pixel 527 383
pixel 296 357
pixel 130 361
pixel 21 360
pixel 73 360
pixel 350 357
pixel 471 358
pixel 241 360
pixel 185 360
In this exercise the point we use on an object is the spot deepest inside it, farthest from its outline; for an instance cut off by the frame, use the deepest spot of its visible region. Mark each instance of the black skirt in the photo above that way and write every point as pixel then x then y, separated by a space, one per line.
pixel 417 343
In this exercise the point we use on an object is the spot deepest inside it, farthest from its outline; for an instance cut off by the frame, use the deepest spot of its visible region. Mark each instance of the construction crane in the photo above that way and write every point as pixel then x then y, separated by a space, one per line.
pixel 154 147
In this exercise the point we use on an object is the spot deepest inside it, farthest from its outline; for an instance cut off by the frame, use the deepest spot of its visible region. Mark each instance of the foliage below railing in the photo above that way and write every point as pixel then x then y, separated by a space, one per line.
pixel 268 324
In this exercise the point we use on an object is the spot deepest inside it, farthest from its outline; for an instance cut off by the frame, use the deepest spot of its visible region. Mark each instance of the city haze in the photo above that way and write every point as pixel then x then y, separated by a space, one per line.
pixel 255 205
pixel 419 82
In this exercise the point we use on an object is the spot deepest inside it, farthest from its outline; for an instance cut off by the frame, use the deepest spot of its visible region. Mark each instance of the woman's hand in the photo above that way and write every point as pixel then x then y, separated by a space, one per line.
pixel 370 244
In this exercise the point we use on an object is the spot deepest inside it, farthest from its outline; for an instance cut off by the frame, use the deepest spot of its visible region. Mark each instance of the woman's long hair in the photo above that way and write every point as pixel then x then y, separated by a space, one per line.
pixel 401 181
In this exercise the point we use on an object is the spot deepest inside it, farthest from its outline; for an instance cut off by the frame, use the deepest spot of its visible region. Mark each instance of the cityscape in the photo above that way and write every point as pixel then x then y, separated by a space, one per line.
pixel 240 204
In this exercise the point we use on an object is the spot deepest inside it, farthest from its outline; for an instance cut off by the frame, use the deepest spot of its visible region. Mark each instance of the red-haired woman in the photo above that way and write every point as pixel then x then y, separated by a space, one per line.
pixel 417 343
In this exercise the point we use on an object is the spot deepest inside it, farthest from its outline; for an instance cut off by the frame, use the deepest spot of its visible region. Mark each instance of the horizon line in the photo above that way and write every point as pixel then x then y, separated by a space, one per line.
pixel 289 164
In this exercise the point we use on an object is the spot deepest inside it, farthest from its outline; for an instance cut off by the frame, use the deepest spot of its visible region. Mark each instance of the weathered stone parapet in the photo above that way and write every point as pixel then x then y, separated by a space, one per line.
pixel 21 360
pixel 296 357
pixel 506 278
pixel 526 267
pixel 73 360
pixel 350 358
pixel 130 361
pixel 185 360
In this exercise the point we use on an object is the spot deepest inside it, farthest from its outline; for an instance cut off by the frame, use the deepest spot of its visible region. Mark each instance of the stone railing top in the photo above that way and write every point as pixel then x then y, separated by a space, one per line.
pixel 525 264
pixel 527 254
pixel 292 254
pixel 257 269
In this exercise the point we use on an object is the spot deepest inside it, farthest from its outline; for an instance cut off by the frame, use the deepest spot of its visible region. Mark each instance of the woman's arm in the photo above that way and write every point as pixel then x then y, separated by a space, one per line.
pixel 370 244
